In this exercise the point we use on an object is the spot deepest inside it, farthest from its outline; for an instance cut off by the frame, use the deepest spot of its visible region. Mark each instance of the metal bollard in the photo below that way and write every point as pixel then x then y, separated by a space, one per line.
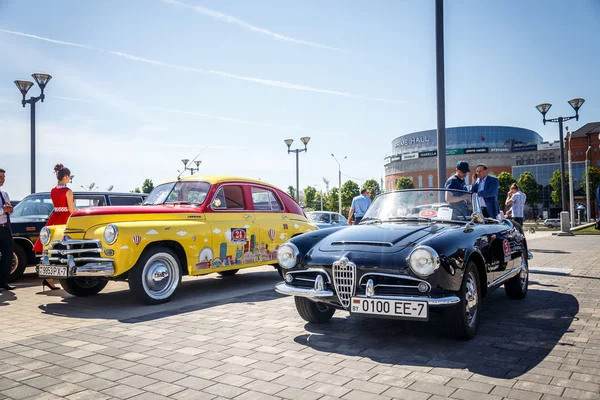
pixel 565 224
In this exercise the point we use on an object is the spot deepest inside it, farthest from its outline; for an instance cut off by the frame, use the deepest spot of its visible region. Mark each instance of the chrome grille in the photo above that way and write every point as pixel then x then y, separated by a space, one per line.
pixel 344 277
pixel 71 252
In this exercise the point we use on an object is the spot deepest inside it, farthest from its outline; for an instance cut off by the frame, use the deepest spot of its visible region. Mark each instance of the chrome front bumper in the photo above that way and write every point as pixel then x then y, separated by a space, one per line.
pixel 284 288
pixel 97 268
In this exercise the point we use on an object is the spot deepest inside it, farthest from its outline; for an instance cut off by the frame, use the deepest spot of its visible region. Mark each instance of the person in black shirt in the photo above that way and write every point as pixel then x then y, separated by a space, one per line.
pixel 459 201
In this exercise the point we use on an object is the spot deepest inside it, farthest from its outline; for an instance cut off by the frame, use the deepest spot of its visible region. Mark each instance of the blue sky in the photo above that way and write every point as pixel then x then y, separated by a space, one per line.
pixel 140 84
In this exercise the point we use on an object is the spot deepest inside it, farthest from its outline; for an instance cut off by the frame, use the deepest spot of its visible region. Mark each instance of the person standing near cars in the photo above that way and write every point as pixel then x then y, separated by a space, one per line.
pixel 359 206
pixel 458 201
pixel 516 199
pixel 62 199
pixel 486 187
pixel 6 239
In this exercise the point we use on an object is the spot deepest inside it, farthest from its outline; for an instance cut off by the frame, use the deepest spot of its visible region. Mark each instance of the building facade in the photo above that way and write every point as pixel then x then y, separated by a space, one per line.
pixel 502 148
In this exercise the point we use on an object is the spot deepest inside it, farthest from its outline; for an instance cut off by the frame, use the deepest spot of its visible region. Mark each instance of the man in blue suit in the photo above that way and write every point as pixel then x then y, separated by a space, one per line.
pixel 486 187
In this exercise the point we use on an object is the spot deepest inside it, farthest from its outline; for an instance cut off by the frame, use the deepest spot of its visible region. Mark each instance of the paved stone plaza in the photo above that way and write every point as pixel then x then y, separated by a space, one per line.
pixel 236 338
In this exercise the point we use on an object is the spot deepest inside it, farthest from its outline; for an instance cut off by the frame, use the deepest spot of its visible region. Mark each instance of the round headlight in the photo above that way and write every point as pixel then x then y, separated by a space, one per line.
pixel 45 236
pixel 111 233
pixel 424 261
pixel 287 255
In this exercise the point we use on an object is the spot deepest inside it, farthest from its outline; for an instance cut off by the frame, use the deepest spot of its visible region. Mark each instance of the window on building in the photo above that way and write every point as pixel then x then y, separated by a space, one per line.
pixel 430 180
pixel 420 180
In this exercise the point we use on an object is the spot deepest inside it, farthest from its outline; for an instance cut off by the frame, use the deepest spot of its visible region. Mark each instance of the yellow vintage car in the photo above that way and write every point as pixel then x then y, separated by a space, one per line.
pixel 191 226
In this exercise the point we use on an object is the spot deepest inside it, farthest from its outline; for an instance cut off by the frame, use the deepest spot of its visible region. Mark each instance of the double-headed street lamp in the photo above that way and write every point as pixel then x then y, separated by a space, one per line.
pixel 543 109
pixel 185 162
pixel 24 86
pixel 339 180
pixel 289 142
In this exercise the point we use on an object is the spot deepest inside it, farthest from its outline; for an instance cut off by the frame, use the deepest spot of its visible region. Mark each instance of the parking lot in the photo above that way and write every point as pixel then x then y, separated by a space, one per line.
pixel 237 338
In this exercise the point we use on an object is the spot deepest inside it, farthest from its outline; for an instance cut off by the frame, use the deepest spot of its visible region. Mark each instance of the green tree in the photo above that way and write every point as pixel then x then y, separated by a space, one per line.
pixel 594 174
pixel 350 189
pixel 556 194
pixel 331 200
pixel 405 183
pixel 373 187
pixel 136 190
pixel 529 186
pixel 310 195
pixel 505 179
pixel 292 192
pixel 147 186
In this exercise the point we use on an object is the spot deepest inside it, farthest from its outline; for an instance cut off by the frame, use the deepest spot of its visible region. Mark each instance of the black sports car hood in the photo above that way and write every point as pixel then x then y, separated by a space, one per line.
pixel 380 238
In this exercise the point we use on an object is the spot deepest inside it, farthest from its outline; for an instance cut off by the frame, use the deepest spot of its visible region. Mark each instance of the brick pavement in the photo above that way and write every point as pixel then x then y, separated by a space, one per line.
pixel 209 345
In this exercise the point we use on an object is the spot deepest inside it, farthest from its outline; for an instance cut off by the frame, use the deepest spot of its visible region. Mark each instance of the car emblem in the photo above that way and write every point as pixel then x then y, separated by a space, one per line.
pixel 342 263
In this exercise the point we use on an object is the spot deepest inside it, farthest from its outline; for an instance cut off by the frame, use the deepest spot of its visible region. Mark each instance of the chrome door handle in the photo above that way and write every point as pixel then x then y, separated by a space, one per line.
pixel 248 216
pixel 285 216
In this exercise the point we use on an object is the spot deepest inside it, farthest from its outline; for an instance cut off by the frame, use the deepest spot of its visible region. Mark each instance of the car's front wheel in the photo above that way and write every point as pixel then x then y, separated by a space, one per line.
pixel 317 313
pixel 462 320
pixel 156 276
pixel 19 263
pixel 84 286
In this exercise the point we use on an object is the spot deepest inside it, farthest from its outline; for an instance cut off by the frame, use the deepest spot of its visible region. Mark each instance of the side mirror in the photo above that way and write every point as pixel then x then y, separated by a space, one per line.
pixel 476 218
pixel 216 203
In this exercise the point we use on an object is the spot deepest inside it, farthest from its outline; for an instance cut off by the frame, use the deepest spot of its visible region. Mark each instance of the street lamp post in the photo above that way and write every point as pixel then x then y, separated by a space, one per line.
pixel 587 186
pixel 339 180
pixel 321 195
pixel 24 86
pixel 289 142
pixel 543 109
pixel 571 196
pixel 185 162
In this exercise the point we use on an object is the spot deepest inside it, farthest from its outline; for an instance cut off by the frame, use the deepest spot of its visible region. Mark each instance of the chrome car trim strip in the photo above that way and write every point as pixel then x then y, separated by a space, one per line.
pixel 365 242
pixel 283 288
pixel 407 277
pixel 321 270
pixel 71 242
pixel 508 275
pixel 87 259
pixel 344 279
pixel 93 269
pixel 76 251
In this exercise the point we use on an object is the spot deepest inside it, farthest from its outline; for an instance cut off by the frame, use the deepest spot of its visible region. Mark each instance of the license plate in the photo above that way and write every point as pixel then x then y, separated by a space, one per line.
pixel 52 270
pixel 392 308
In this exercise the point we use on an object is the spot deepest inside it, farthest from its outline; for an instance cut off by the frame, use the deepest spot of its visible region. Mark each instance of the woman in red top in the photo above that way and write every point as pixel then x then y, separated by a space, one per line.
pixel 62 199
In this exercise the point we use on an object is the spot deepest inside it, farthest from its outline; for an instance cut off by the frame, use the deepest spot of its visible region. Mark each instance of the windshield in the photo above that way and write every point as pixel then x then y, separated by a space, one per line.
pixel 186 192
pixel 319 218
pixel 433 204
pixel 38 206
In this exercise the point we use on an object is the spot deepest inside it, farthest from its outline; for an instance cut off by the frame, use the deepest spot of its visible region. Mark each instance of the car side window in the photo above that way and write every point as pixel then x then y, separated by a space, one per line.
pixel 83 201
pixel 335 218
pixel 125 200
pixel 265 200
pixel 229 197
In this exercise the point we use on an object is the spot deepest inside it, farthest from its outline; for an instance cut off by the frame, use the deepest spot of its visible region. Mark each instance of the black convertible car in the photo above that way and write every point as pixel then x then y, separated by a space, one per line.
pixel 414 252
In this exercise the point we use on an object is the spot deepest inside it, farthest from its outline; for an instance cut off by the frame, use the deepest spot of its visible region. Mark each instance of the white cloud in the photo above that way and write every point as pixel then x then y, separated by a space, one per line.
pixel 152 232
pixel 216 232
pixel 219 16
pixel 182 233
pixel 246 226
pixel 282 236
pixel 205 240
pixel 261 81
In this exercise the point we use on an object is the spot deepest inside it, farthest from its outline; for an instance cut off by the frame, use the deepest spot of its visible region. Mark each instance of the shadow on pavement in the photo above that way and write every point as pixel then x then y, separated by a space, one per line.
pixel 6 296
pixel 193 294
pixel 514 336
pixel 549 251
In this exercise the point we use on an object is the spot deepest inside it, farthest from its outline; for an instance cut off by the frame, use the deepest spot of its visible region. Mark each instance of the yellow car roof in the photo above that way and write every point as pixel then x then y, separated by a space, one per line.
pixel 212 179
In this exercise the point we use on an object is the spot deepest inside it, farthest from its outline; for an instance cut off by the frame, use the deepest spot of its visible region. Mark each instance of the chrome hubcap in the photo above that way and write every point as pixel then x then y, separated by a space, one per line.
pixel 524 273
pixel 15 263
pixel 471 298
pixel 161 275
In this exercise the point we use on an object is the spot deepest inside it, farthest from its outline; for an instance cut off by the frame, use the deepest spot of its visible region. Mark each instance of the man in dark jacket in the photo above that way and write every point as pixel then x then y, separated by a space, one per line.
pixel 6 240
pixel 486 187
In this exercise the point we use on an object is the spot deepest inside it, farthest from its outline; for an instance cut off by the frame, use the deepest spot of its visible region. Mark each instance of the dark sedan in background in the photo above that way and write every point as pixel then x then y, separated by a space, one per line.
pixel 414 253
pixel 31 213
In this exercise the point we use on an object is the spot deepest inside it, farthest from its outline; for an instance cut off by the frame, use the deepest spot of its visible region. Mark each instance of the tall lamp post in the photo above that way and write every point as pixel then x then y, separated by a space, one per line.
pixel 571 196
pixel 289 142
pixel 339 180
pixel 587 186
pixel 543 109
pixel 24 86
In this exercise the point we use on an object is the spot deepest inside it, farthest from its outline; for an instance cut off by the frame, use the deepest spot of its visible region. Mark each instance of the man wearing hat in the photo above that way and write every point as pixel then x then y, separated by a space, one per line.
pixel 457 200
